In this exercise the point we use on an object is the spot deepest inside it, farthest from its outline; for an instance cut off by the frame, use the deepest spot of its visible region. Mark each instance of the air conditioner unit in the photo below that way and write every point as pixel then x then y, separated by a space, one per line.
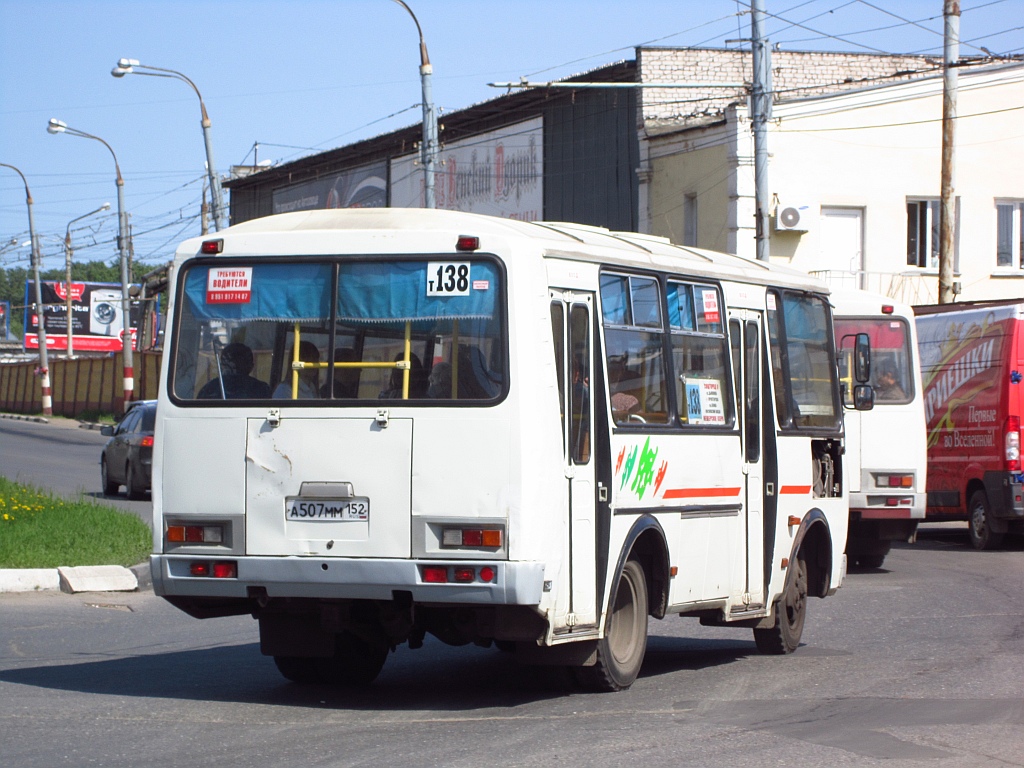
pixel 790 217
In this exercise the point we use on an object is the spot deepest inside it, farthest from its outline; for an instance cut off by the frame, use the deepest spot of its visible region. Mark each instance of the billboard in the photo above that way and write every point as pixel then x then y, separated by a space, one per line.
pixel 96 316
pixel 5 319
pixel 364 187
pixel 499 173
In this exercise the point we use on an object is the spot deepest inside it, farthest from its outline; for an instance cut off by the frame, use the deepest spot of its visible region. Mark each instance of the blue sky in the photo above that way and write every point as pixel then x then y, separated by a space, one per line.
pixel 299 76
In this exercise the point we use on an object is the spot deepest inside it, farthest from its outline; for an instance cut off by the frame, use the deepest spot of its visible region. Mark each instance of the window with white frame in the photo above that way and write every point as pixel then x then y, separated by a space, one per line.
pixel 1010 234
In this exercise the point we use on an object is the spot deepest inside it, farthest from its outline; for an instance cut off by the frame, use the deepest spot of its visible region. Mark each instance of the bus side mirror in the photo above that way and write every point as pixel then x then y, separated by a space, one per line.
pixel 863 397
pixel 861 360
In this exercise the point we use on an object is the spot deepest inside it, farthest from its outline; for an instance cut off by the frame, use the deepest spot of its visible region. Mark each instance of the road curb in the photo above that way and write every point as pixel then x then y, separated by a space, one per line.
pixel 23 417
pixel 100 578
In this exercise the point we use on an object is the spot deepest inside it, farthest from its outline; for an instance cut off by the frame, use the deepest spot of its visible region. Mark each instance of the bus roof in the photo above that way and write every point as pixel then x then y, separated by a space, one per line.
pixel 387 228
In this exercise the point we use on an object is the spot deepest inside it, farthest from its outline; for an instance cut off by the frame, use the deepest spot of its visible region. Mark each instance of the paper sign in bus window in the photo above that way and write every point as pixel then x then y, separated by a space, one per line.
pixel 704 402
pixel 229 285
pixel 711 307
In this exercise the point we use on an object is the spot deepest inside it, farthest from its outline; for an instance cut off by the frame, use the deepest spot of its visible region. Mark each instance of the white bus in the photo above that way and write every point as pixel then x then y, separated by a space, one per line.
pixel 886 452
pixel 377 424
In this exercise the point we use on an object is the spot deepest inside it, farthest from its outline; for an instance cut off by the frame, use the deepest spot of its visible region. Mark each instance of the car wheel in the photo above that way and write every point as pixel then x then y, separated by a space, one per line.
pixel 131 484
pixel 109 486
pixel 979 523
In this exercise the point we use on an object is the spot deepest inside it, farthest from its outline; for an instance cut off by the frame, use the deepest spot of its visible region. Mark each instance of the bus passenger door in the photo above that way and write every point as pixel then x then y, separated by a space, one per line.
pixel 572 329
pixel 747 348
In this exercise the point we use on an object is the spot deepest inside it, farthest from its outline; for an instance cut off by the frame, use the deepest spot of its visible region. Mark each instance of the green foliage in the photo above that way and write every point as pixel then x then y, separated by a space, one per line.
pixel 38 530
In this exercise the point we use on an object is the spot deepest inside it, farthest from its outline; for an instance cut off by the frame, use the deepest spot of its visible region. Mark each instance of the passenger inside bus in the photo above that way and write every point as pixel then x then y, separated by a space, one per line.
pixel 888 385
pixel 309 378
pixel 346 380
pixel 624 404
pixel 234 382
pixel 418 381
pixel 440 381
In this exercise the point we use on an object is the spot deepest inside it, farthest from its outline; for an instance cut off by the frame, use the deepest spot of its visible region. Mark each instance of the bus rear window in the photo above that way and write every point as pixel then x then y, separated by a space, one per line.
pixel 340 331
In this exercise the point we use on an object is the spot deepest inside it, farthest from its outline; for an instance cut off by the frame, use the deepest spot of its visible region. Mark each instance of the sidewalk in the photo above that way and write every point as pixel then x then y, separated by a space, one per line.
pixel 97 578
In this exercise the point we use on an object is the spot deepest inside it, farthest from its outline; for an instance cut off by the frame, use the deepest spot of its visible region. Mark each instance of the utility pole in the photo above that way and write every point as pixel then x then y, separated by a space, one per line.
pixel 947 218
pixel 760 111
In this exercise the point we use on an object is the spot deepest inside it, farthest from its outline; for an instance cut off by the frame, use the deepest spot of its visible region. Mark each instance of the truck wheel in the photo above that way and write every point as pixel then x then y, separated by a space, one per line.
pixel 982 535
pixel 870 561
pixel 620 653
pixel 790 612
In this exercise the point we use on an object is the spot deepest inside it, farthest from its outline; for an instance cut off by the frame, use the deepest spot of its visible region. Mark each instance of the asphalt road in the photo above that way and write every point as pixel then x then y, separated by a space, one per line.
pixel 919 664
pixel 62 457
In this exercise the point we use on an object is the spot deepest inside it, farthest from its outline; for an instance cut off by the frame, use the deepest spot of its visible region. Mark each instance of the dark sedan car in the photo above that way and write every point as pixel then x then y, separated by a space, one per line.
pixel 127 457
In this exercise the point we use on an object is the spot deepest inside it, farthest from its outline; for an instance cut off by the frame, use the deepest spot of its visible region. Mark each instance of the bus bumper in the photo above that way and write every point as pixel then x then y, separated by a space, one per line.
pixel 513 583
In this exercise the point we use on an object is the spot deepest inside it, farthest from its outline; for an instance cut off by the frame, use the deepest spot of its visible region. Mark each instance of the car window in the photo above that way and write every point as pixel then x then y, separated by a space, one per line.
pixel 148 420
pixel 128 423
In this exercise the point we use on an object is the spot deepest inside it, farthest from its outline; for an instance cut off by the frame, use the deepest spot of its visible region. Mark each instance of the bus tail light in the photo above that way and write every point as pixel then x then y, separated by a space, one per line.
pixel 471 537
pixel 195 534
pixel 220 570
pixel 1012 444
pixel 458 574
pixel 895 481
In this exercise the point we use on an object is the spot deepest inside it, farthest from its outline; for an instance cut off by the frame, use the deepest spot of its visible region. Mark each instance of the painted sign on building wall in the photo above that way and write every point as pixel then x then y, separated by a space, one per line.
pixel 499 173
pixel 364 187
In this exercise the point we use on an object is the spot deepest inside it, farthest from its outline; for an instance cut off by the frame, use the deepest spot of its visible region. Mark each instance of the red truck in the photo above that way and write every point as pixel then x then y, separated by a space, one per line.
pixel 972 360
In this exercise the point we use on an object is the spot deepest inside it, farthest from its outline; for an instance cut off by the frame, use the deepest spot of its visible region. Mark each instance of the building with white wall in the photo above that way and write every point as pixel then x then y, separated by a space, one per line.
pixel 854 176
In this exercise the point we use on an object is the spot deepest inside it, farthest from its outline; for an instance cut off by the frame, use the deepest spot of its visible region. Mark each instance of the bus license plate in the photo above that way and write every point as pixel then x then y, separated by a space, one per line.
pixel 357 508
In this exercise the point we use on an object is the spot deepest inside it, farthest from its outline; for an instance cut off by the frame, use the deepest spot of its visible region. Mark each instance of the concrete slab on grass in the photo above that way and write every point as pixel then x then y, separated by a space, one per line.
pixel 97 578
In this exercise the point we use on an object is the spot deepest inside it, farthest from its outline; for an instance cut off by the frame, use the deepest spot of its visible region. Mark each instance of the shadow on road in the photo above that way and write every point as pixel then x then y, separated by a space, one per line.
pixel 437 677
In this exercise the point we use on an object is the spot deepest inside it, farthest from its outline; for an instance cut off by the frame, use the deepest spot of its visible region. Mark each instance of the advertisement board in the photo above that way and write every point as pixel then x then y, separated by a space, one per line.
pixel 5 319
pixel 364 187
pixel 499 173
pixel 96 316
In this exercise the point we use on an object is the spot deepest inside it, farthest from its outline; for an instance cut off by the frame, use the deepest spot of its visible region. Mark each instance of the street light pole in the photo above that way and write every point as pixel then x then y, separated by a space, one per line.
pixel 58 126
pixel 44 365
pixel 67 274
pixel 132 66
pixel 428 149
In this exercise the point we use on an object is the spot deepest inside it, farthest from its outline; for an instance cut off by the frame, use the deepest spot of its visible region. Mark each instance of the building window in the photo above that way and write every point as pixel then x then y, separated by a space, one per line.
pixel 1010 234
pixel 690 220
pixel 923 233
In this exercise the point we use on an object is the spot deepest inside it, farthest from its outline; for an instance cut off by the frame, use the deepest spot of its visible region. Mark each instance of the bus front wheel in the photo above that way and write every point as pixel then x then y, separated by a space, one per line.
pixel 790 612
pixel 621 651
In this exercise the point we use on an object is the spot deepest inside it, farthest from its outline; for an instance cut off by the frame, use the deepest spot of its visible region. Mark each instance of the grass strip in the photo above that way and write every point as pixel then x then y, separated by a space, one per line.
pixel 38 530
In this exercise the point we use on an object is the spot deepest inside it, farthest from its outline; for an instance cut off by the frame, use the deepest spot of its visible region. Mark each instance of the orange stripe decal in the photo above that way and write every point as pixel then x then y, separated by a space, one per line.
pixel 691 493
pixel 795 489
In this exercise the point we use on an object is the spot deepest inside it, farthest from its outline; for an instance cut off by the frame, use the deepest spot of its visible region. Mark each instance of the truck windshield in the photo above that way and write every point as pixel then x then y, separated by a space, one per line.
pixel 891 373
pixel 338 332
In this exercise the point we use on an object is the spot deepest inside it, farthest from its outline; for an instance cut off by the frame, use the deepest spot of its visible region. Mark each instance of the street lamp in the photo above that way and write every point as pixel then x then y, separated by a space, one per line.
pixel 429 144
pixel 67 271
pixel 59 126
pixel 44 365
pixel 132 66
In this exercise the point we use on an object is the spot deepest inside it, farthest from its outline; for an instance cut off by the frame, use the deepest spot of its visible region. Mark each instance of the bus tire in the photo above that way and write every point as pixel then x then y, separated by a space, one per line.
pixel 790 612
pixel 980 523
pixel 300 669
pixel 356 661
pixel 870 561
pixel 620 653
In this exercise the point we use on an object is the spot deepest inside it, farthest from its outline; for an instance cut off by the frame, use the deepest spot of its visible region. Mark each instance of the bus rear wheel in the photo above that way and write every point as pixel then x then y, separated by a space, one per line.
pixel 355 662
pixel 980 523
pixel 620 653
pixel 790 613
